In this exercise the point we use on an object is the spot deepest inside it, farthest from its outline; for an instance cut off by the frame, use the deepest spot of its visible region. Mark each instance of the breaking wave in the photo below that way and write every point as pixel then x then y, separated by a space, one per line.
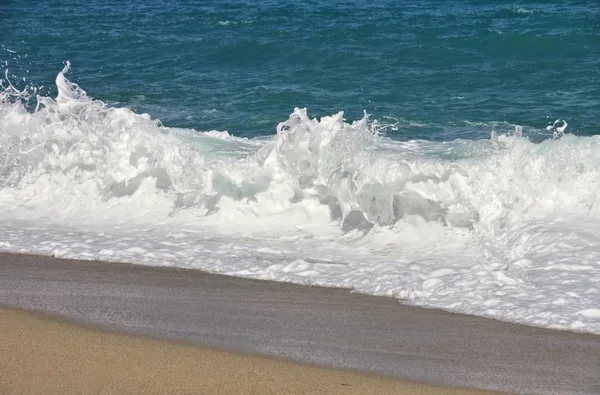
pixel 480 219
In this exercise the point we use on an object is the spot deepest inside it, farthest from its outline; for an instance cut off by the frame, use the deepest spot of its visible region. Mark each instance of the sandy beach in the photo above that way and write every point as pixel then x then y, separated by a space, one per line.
pixel 44 355
pixel 197 313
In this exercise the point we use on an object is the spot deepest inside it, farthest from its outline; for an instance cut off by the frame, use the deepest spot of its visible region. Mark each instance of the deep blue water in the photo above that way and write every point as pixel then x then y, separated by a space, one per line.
pixel 427 69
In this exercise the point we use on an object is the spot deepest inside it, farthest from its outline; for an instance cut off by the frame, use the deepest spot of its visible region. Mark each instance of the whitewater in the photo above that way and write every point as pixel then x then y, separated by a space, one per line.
pixel 501 227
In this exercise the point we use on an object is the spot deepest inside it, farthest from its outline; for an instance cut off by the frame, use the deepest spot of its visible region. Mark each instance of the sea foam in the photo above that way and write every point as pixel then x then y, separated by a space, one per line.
pixel 500 227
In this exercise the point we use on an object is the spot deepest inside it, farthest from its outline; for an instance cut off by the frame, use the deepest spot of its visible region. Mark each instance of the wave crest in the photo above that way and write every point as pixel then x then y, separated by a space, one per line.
pixel 79 150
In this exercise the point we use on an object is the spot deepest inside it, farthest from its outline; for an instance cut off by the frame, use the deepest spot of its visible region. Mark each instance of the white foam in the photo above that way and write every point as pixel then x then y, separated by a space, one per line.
pixel 502 227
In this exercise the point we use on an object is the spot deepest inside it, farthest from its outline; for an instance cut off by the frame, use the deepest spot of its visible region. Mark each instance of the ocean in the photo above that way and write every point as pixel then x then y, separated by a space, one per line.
pixel 442 153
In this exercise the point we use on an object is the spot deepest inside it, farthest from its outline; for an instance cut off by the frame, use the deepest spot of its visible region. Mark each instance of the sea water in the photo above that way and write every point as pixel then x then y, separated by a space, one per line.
pixel 444 154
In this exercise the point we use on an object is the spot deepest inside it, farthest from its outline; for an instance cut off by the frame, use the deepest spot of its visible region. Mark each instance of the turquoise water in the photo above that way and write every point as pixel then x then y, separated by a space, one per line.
pixel 424 69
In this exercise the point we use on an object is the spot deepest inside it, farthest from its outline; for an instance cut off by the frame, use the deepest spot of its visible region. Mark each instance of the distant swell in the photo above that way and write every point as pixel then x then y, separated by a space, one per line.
pixel 516 12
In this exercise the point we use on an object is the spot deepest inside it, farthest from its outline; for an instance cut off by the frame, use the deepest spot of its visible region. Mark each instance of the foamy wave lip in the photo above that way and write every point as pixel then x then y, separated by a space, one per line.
pixel 224 135
pixel 76 142
pixel 500 227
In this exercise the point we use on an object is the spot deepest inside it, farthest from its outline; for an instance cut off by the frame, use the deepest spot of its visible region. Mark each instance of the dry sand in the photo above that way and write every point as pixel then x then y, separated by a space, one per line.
pixel 45 355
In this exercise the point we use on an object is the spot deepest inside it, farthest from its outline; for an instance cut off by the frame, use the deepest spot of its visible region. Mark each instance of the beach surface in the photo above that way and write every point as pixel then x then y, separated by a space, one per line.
pixel 326 327
pixel 46 356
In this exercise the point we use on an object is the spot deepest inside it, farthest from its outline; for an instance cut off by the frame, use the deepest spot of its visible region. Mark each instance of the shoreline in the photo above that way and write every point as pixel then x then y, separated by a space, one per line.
pixel 328 327
pixel 70 357
pixel 193 271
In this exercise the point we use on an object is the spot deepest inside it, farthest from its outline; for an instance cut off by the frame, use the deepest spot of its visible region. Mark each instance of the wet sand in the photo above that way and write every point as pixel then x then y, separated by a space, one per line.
pixel 47 356
pixel 313 325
